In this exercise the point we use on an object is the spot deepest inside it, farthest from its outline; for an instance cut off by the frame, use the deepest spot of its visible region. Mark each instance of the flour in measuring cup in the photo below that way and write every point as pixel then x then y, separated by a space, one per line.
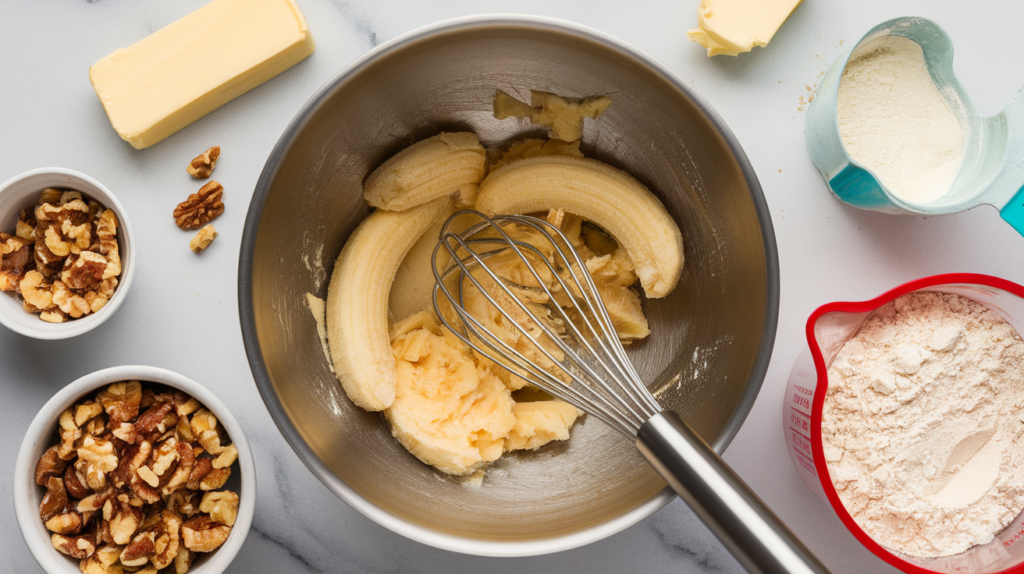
pixel 894 121
pixel 921 425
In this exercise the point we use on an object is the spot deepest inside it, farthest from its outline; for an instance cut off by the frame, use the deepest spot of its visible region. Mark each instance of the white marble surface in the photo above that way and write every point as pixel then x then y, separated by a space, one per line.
pixel 182 312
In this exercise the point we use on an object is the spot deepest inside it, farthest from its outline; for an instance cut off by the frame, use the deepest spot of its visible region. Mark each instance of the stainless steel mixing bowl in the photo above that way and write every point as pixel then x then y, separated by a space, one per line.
pixel 711 338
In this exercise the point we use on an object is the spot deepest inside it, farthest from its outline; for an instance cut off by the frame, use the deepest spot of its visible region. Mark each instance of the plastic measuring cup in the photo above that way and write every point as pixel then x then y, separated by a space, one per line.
pixel 828 329
pixel 993 166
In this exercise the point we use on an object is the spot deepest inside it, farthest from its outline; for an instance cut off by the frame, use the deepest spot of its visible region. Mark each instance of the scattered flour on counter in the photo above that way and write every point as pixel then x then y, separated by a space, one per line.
pixel 893 120
pixel 318 308
pixel 921 424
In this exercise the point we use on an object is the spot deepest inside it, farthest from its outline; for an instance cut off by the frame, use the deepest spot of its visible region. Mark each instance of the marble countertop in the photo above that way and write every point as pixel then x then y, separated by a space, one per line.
pixel 182 311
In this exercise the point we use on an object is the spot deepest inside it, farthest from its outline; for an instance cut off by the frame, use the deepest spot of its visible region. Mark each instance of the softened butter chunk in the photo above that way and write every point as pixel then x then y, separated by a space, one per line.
pixel 732 26
pixel 177 75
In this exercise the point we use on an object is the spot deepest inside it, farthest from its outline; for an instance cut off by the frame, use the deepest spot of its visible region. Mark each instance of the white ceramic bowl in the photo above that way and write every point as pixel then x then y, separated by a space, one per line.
pixel 42 434
pixel 22 192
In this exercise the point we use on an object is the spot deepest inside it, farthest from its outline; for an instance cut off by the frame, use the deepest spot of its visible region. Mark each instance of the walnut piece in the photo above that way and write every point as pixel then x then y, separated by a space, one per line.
pixel 201 207
pixel 69 433
pixel 121 400
pixel 222 506
pixel 168 539
pixel 204 429
pixel 138 551
pixel 102 561
pixel 165 455
pixel 182 471
pixel 124 522
pixel 201 534
pixel 100 458
pixel 49 465
pixel 215 479
pixel 183 561
pixel 55 500
pixel 65 523
pixel 202 467
pixel 75 484
pixel 75 546
pixel 50 195
pixel 226 458
pixel 203 239
pixel 15 259
pixel 63 228
pixel 84 270
pixel 184 404
pixel 106 231
pixel 36 291
pixel 185 502
pixel 151 420
pixel 202 166
pixel 85 411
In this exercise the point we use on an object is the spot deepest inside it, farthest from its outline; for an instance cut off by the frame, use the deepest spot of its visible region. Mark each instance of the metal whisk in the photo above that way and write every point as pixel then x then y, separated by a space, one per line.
pixel 572 339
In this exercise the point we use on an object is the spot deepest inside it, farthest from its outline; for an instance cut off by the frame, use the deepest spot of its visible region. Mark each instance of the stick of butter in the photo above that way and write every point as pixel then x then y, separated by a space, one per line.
pixel 179 74
pixel 733 26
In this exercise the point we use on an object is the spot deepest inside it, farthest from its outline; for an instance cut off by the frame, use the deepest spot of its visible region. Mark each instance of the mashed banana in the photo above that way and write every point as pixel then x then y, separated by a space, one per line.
pixel 455 415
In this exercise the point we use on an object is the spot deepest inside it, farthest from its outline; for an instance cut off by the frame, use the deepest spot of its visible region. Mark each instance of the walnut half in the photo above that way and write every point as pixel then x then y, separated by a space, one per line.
pixel 201 207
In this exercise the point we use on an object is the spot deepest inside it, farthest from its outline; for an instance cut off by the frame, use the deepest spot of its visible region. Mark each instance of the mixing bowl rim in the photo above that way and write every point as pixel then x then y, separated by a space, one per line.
pixel 248 318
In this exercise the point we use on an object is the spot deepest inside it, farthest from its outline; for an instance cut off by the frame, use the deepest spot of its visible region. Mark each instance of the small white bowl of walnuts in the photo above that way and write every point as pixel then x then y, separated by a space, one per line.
pixel 66 253
pixel 134 469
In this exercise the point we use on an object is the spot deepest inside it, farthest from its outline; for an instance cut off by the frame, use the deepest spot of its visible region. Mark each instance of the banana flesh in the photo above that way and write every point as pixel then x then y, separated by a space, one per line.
pixel 446 412
pixel 446 164
pixel 357 300
pixel 540 422
pixel 453 413
pixel 534 147
pixel 597 192
pixel 564 116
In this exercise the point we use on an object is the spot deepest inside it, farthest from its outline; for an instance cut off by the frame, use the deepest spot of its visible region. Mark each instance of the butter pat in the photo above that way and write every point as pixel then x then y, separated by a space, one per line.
pixel 732 26
pixel 179 74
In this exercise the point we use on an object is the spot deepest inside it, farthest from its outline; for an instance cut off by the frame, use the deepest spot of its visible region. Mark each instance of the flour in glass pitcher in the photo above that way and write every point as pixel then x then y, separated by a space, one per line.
pixel 893 120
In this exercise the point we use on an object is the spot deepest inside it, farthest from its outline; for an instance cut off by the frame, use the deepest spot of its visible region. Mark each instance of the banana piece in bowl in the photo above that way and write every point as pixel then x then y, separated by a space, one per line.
pixel 455 415
pixel 357 300
pixel 427 170
pixel 597 192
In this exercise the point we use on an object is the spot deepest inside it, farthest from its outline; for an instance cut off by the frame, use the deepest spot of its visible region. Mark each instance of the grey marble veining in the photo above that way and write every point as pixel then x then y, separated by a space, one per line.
pixel 182 312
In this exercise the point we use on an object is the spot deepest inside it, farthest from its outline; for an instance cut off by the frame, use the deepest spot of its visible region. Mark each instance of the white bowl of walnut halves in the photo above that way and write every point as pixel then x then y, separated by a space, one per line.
pixel 66 253
pixel 134 469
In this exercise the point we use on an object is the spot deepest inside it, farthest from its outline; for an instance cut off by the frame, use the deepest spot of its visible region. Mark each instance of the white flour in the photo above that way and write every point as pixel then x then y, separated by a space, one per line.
pixel 893 120
pixel 922 425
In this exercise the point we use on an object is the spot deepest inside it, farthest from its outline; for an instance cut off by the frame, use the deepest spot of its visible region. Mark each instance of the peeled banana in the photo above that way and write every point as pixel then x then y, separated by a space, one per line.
pixel 357 300
pixel 446 164
pixel 597 192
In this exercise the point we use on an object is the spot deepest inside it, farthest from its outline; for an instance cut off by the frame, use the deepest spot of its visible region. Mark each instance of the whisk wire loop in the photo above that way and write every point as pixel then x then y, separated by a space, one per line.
pixel 607 386
pixel 497 344
pixel 596 307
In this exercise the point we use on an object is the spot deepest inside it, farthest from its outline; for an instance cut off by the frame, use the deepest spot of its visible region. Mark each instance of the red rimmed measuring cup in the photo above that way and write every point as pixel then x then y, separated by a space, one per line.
pixel 828 329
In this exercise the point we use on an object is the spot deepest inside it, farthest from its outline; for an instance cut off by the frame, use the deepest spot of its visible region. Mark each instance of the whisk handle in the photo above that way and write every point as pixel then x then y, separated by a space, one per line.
pixel 754 535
